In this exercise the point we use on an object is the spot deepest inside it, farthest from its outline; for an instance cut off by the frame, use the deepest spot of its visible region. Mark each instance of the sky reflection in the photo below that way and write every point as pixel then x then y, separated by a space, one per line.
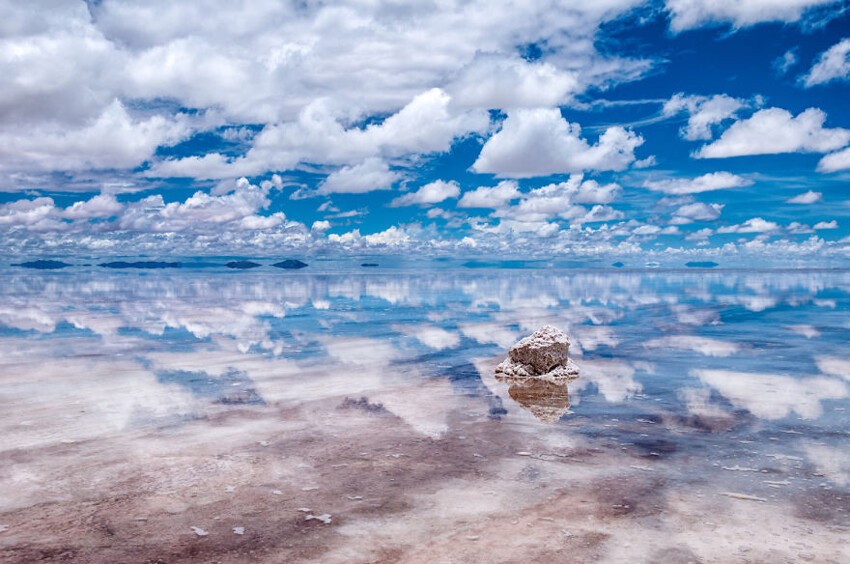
pixel 767 342
pixel 741 378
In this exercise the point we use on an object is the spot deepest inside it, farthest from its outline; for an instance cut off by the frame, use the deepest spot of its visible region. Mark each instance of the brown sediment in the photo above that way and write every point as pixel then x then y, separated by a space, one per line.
pixel 824 506
pixel 481 491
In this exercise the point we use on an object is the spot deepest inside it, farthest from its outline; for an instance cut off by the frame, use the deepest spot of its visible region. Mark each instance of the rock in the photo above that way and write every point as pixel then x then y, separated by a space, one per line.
pixel 369 264
pixel 199 531
pixel 702 264
pixel 43 264
pixel 511 370
pixel 242 264
pixel 290 264
pixel 618 264
pixel 543 350
pixel 238 530
pixel 538 371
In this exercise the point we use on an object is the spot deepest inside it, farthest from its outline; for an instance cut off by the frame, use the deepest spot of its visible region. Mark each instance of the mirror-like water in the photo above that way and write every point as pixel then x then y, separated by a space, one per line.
pixel 355 416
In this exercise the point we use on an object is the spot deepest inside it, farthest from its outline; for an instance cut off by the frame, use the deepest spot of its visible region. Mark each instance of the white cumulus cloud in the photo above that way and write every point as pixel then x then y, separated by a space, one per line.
pixel 705 183
pixel 432 193
pixel 833 162
pixel 752 225
pixel 511 82
pixel 372 174
pixel 696 211
pixel 113 139
pixel 826 225
pixel 809 197
pixel 102 205
pixel 540 142
pixel 704 112
pixel 775 130
pixel 492 197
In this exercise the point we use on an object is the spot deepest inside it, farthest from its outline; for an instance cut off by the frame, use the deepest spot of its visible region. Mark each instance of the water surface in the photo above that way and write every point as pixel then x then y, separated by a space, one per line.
pixel 709 423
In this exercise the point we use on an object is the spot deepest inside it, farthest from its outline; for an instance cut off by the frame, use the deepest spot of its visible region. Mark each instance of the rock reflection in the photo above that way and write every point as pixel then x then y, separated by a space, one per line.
pixel 547 401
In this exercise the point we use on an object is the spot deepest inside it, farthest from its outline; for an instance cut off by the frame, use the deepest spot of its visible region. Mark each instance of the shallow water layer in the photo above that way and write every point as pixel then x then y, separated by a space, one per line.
pixel 351 416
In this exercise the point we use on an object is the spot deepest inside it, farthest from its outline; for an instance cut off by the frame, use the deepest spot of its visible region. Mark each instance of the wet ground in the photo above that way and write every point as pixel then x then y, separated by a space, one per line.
pixel 350 416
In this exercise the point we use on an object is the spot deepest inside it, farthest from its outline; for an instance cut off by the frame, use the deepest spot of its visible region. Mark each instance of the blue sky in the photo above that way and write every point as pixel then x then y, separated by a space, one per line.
pixel 621 128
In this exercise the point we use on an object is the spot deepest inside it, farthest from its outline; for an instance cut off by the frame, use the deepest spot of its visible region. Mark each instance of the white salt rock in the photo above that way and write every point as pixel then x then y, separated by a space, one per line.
pixel 543 350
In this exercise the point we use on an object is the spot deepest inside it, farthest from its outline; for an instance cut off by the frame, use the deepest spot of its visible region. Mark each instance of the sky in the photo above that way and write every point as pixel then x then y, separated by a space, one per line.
pixel 680 128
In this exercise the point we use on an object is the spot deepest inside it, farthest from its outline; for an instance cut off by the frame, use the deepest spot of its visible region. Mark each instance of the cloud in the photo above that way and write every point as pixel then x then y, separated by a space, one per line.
pixel 320 226
pixel 797 228
pixel 599 213
pixel 370 175
pixel 704 112
pixel 775 130
pixel 700 235
pixel 492 197
pixel 544 211
pixel 752 225
pixel 492 81
pixel 809 197
pixel 34 214
pixel 704 183
pixel 833 162
pixel 102 205
pixel 561 199
pixel 427 124
pixel 540 142
pixel 114 139
pixel 204 55
pixel 783 63
pixel 203 212
pixel 832 64
pixel 696 211
pixel 432 193
pixel 67 66
pixel 231 217
pixel 393 237
pixel 825 225
pixel 689 14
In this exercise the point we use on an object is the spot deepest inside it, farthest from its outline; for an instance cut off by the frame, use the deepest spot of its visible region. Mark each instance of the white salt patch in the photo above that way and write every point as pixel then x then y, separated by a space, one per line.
pixel 324 518
pixel 238 530
pixel 747 497
pixel 199 531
